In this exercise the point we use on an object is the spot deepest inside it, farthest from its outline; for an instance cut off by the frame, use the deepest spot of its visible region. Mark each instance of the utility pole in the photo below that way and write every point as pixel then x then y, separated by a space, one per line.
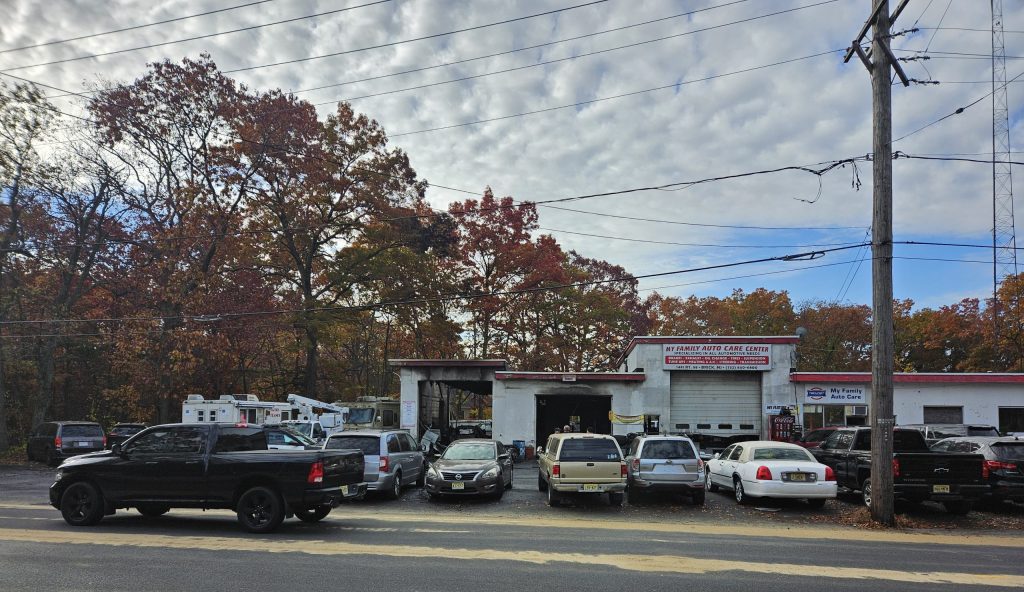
pixel 879 487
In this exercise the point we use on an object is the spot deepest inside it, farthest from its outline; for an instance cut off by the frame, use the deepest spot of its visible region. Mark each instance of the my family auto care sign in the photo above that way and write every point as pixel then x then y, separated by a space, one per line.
pixel 717 356
pixel 835 395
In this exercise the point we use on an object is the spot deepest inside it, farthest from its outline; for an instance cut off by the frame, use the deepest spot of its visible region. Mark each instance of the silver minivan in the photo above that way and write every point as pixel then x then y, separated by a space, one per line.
pixel 664 463
pixel 391 458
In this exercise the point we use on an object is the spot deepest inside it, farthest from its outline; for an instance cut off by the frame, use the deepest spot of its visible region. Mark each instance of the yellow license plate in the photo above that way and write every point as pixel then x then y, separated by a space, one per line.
pixel 458 485
pixel 591 487
pixel 940 488
pixel 797 477
pixel 344 490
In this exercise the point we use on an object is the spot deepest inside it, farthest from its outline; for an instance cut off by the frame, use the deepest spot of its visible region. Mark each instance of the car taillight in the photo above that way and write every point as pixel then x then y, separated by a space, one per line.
pixel 384 466
pixel 763 474
pixel 622 467
pixel 636 464
pixel 316 473
pixel 830 475
pixel 104 440
pixel 556 470
pixel 56 442
pixel 895 467
pixel 994 465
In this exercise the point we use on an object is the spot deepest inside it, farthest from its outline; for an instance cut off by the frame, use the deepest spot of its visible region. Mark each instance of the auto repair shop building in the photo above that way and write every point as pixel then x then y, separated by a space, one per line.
pixel 715 387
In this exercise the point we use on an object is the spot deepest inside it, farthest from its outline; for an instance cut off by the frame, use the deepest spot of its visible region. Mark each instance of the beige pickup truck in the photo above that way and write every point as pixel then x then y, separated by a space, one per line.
pixel 582 464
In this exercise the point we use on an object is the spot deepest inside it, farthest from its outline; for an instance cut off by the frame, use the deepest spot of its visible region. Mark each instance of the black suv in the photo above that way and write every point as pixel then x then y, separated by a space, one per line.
pixel 1003 465
pixel 54 441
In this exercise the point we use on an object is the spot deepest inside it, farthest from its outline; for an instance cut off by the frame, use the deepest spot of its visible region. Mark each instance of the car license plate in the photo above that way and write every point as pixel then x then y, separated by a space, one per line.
pixel 940 488
pixel 344 490
pixel 591 487
pixel 798 477
pixel 83 444
pixel 458 485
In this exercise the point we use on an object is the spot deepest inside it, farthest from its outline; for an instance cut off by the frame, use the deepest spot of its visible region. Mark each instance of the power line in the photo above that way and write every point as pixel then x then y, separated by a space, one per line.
pixel 658 242
pixel 423 38
pixel 483 57
pixel 958 111
pixel 197 37
pixel 572 57
pixel 703 225
pixel 804 256
pixel 619 96
pixel 135 27
pixel 936 31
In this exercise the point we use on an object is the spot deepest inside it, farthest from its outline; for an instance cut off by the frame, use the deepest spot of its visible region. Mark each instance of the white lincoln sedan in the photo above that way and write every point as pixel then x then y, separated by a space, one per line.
pixel 771 469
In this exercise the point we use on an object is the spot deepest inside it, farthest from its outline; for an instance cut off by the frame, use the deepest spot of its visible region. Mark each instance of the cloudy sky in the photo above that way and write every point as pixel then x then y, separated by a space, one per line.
pixel 723 105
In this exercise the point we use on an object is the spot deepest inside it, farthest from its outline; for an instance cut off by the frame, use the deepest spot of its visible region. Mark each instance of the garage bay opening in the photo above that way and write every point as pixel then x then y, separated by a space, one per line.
pixel 580 411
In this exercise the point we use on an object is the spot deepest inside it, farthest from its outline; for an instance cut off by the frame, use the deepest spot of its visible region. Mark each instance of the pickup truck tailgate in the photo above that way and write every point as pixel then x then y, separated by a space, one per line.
pixel 342 467
pixel 939 468
pixel 591 472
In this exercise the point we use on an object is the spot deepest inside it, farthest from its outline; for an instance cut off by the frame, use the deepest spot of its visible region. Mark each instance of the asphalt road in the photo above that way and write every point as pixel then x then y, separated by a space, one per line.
pixel 514 544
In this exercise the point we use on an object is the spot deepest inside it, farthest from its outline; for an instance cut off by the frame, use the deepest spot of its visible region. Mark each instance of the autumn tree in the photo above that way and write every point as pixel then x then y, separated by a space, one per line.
pixel 172 129
pixel 332 197
pixel 25 118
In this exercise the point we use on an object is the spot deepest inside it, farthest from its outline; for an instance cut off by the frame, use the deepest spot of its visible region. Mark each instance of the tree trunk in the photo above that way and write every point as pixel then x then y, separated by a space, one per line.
pixel 312 360
pixel 5 438
pixel 46 372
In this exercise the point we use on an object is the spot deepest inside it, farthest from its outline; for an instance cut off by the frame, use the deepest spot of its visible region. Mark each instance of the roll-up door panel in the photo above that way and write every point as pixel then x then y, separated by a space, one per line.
pixel 724 403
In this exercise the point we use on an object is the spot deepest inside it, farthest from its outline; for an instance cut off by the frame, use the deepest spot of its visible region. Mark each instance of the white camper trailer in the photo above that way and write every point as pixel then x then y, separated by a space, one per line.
pixel 233 409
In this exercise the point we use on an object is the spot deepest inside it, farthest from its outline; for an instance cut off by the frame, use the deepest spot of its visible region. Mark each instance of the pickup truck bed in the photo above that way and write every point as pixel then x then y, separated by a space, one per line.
pixel 919 474
pixel 207 466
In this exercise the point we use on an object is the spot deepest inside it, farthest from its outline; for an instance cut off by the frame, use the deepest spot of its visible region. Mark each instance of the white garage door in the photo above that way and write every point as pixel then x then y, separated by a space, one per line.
pixel 723 403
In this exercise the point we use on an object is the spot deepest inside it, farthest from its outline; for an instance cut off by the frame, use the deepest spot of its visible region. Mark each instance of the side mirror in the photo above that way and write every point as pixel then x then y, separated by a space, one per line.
pixel 715 456
pixel 116 449
pixel 504 456
pixel 540 450
pixel 424 447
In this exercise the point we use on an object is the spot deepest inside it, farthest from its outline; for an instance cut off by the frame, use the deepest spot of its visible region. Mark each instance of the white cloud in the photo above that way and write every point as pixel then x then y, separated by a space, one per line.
pixel 800 113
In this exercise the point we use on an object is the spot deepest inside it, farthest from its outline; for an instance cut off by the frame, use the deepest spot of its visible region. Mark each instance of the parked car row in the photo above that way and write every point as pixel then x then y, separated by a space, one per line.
pixel 236 466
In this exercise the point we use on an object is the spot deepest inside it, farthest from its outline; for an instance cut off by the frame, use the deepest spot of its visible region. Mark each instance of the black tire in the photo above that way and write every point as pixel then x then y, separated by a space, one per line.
pixel 542 485
pixel 51 458
pixel 553 498
pixel 81 504
pixel 865 490
pixel 396 487
pixel 314 514
pixel 499 492
pixel 511 476
pixel 698 498
pixel 816 503
pixel 28 454
pixel 959 507
pixel 634 495
pixel 738 492
pixel 433 496
pixel 615 499
pixel 260 510
pixel 422 479
pixel 707 482
pixel 153 511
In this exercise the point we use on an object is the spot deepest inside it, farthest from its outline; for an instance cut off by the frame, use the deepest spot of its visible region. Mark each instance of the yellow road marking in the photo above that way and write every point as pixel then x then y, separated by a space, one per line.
pixel 344 514
pixel 643 563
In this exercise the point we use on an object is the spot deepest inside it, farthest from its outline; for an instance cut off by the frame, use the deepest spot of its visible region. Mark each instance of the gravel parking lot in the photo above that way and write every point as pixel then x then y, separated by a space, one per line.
pixel 28 483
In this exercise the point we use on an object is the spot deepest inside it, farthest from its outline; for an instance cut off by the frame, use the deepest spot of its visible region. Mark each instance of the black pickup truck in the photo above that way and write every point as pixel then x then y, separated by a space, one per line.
pixel 224 466
pixel 918 474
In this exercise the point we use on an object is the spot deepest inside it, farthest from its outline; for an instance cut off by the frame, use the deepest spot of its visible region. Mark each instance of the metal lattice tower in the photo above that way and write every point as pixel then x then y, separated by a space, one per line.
pixel 1004 240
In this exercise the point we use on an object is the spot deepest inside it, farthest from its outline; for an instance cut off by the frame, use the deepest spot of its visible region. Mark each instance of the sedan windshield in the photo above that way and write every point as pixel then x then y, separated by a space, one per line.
pixel 782 454
pixel 469 452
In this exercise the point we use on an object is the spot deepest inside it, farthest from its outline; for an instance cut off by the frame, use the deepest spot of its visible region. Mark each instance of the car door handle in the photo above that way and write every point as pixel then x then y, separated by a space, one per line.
pixel 590 464
pixel 150 462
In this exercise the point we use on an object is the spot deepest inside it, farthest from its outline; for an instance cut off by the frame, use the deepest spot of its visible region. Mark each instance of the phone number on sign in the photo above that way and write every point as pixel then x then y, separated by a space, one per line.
pixel 729 361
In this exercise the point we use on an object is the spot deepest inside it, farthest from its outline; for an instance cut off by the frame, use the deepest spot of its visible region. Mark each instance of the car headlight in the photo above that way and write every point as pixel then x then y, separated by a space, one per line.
pixel 490 473
pixel 432 473
pixel 60 475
